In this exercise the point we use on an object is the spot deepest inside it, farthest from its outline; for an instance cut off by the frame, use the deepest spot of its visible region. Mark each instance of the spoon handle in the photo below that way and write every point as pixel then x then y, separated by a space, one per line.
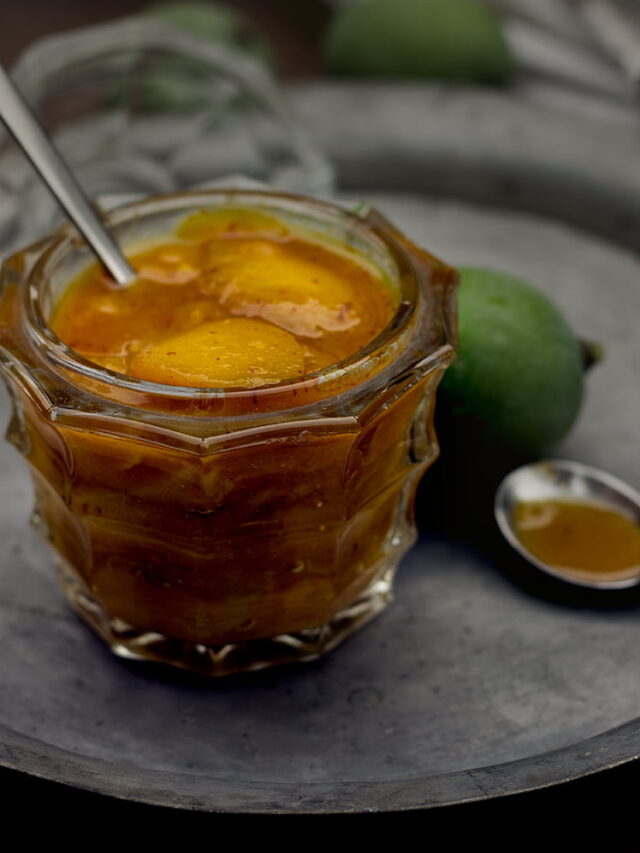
pixel 30 136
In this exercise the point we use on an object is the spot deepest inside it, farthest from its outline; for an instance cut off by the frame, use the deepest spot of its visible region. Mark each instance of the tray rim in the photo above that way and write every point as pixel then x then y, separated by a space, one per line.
pixel 201 792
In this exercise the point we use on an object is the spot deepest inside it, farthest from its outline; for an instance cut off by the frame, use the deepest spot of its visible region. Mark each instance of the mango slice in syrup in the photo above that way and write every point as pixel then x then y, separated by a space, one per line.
pixel 225 353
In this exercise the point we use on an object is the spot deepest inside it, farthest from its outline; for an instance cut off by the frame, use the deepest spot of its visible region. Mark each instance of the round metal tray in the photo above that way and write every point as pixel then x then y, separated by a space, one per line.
pixel 472 685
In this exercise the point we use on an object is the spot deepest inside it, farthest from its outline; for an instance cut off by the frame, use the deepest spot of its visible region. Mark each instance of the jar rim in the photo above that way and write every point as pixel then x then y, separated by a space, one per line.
pixel 369 224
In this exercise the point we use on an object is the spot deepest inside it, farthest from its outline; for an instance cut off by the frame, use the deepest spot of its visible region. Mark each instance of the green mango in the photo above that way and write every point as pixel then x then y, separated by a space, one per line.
pixel 518 376
pixel 214 21
pixel 176 84
pixel 443 39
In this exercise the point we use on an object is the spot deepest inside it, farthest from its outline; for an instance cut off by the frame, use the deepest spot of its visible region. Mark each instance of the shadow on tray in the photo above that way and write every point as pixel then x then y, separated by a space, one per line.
pixel 455 502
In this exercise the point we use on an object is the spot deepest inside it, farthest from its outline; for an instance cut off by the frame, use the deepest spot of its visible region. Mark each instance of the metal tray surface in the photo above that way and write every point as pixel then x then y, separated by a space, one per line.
pixel 471 685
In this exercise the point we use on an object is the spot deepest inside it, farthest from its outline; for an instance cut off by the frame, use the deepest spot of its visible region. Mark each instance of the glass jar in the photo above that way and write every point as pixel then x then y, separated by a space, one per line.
pixel 227 530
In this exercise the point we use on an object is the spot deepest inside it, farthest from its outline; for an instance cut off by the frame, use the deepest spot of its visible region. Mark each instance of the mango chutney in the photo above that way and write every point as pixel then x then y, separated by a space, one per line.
pixel 239 300
pixel 225 453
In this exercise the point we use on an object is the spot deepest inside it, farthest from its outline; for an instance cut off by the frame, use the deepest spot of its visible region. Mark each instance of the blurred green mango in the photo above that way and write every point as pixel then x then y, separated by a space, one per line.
pixel 213 21
pixel 167 83
pixel 443 39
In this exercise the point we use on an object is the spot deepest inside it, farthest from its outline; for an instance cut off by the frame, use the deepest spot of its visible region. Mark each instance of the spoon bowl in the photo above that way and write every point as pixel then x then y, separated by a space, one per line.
pixel 560 480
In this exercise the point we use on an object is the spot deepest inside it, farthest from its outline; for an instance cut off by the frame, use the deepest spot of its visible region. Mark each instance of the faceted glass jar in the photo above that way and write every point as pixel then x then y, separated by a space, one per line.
pixel 227 530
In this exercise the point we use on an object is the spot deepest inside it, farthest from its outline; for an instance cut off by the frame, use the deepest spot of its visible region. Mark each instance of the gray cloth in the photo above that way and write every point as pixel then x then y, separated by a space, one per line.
pixel 562 61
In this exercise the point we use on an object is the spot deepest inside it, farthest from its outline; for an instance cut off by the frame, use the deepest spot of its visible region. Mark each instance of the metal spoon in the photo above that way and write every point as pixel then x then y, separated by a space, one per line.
pixel 562 480
pixel 30 136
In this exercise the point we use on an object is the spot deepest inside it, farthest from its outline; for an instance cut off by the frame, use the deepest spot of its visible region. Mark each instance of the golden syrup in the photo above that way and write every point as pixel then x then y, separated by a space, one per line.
pixel 583 538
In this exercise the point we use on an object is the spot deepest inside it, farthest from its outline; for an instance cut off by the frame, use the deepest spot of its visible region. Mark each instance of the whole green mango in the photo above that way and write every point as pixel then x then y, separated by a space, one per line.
pixel 444 39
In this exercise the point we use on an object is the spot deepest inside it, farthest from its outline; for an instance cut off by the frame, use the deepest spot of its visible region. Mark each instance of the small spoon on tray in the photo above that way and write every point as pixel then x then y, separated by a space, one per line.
pixel 572 521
